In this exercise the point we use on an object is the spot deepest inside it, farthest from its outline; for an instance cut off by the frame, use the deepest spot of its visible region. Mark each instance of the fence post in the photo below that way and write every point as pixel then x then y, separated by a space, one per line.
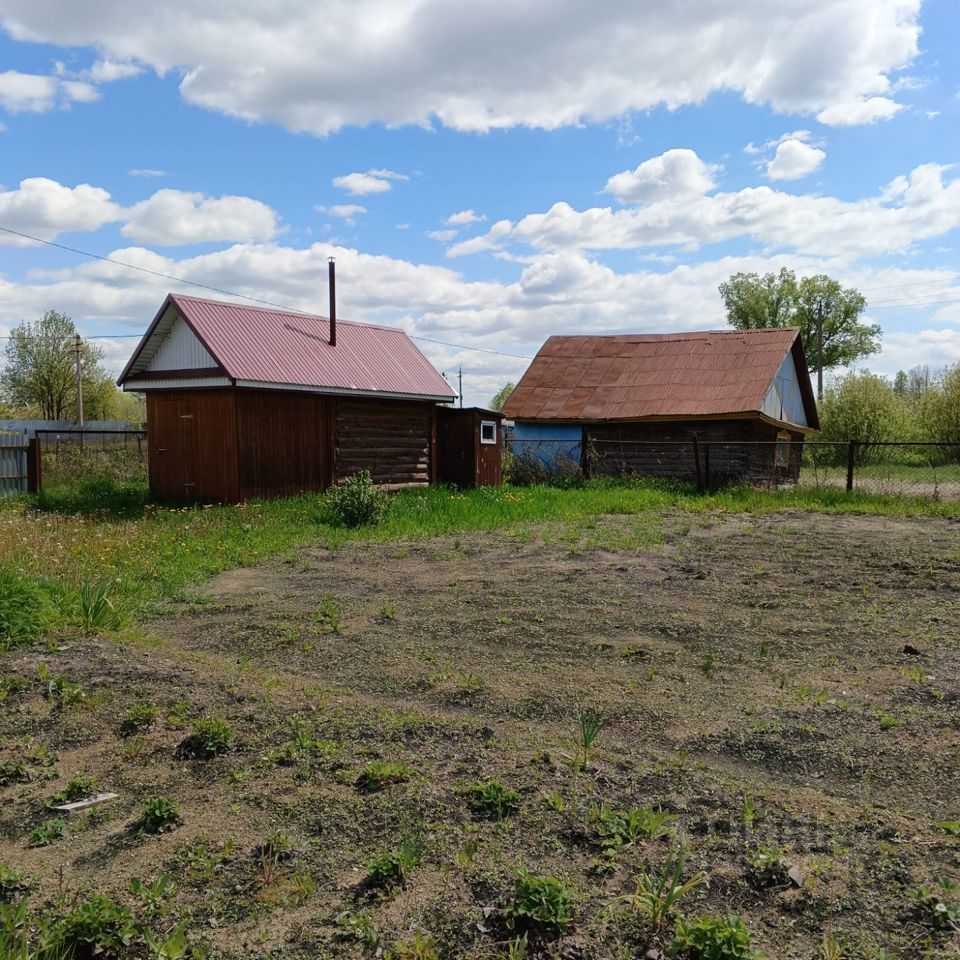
pixel 851 460
pixel 34 466
pixel 706 465
pixel 696 464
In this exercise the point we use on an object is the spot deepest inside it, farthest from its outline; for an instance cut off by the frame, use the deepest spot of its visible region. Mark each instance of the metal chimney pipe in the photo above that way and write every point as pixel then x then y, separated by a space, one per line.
pixel 332 273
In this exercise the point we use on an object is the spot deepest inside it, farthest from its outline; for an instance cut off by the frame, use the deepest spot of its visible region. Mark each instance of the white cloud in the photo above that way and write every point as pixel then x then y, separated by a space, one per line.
pixel 79 91
pixel 108 71
pixel 851 113
pixel 499 64
pixel 794 159
pixel 343 211
pixel 173 217
pixel 44 208
pixel 146 172
pixel 442 235
pixel 910 209
pixel 672 174
pixel 373 181
pixel 464 218
pixel 27 92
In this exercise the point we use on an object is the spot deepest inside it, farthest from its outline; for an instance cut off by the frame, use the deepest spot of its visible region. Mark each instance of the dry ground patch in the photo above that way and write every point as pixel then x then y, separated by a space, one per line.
pixel 751 677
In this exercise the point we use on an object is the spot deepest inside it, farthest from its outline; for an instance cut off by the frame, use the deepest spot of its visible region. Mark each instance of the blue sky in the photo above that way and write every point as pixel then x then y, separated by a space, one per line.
pixel 619 163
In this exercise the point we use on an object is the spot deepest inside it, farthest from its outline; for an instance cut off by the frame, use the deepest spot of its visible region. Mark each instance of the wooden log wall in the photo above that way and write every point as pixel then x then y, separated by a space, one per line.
pixel 734 455
pixel 393 439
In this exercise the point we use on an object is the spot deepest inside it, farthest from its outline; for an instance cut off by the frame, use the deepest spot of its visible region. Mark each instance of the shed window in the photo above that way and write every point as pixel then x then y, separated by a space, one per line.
pixel 488 431
pixel 781 454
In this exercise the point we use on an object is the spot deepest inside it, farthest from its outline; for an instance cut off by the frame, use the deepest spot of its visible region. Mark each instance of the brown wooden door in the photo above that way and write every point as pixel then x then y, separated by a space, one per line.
pixel 174 449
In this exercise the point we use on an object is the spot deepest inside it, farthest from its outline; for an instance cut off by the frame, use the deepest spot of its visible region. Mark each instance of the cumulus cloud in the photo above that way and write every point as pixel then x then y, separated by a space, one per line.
pixel 173 217
pixel 348 212
pixel 464 218
pixel 442 235
pixel 794 159
pixel 373 181
pixel 672 174
pixel 29 92
pixel 499 64
pixel 44 208
pixel 910 209
pixel 38 93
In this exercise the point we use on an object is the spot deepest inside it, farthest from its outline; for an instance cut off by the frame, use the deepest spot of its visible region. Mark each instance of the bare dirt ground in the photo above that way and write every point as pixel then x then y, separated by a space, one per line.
pixel 750 673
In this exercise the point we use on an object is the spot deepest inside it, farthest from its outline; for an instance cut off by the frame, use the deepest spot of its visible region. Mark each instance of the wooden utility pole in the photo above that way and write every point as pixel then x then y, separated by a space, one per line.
pixel 820 350
pixel 78 345
pixel 460 376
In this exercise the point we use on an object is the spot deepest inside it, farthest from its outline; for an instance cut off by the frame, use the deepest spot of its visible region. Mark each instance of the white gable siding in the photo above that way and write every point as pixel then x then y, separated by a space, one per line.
pixel 784 401
pixel 181 350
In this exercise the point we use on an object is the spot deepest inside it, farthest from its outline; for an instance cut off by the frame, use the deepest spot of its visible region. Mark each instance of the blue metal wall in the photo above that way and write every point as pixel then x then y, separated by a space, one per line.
pixel 547 441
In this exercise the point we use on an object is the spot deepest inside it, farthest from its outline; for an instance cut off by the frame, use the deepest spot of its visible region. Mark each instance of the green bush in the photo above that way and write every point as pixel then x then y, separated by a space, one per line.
pixel 357 501
pixel 210 737
pixel 940 414
pixel 492 798
pixel 12 883
pixel 159 815
pixel 542 907
pixel 25 610
pixel 96 926
pixel 391 869
pixel 141 716
pixel 710 937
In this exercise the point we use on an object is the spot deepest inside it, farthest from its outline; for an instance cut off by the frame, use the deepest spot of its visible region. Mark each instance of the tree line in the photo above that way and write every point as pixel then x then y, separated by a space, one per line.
pixel 38 379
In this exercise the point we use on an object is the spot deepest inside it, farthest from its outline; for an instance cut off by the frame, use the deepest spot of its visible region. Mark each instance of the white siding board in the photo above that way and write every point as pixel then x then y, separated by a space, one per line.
pixel 180 350
pixel 784 401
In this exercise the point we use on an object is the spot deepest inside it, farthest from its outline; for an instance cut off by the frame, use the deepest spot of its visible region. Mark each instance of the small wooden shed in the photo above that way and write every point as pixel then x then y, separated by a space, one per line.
pixel 470 446
pixel 245 402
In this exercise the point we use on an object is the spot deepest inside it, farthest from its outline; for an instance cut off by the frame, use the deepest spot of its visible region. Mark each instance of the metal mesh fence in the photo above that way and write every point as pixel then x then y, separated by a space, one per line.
pixel 892 468
pixel 76 456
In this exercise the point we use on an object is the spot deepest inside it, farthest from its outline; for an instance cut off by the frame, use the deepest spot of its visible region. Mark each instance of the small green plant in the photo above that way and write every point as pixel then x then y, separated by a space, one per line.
pixel 889 722
pixel 153 895
pixel 950 827
pixel 210 737
pixel 25 610
pixel 766 867
pixel 64 692
pixel 937 905
pixel 171 945
pixel 360 926
pixel 12 884
pixel 357 501
pixel 421 947
pixel 709 665
pixel 48 831
pixel 327 615
pixel 387 613
pixel 830 949
pixel 517 949
pixel 656 894
pixel 97 925
pixel 159 815
pixel 492 798
pixel 753 812
pixel 77 788
pixel 302 747
pixel 377 775
pixel 204 860
pixel 392 869
pixel 96 611
pixel 541 908
pixel 623 828
pixel 141 716
pixel 589 725
pixel 711 937
pixel 14 770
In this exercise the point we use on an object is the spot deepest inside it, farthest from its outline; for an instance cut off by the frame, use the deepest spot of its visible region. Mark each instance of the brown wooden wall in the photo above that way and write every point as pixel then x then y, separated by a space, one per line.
pixel 394 439
pixel 193 444
pixel 283 443
pixel 734 454
pixel 462 460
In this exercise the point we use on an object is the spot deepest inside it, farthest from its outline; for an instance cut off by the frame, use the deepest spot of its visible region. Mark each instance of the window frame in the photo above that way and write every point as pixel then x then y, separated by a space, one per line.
pixel 781 451
pixel 493 440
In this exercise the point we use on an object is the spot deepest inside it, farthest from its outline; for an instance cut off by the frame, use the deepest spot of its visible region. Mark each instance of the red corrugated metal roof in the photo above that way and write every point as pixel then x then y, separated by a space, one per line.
pixel 275 347
pixel 641 376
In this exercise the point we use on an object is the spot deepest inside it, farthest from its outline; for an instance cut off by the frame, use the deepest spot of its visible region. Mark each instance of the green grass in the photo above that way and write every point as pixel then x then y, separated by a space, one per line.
pixel 141 553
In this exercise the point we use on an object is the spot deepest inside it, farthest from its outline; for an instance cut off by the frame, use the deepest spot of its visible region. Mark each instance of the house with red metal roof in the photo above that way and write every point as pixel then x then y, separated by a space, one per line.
pixel 245 401
pixel 717 406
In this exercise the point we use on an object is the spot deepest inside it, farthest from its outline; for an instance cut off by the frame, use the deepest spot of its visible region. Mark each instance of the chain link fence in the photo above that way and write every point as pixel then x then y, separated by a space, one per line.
pixel 891 468
pixel 70 457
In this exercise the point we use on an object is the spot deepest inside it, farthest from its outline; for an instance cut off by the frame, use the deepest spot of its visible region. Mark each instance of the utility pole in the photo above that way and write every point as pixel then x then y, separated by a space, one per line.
pixel 78 346
pixel 820 350
pixel 460 375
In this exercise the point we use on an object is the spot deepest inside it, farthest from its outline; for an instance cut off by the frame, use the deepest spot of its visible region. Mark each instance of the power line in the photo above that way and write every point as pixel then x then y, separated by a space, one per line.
pixel 220 290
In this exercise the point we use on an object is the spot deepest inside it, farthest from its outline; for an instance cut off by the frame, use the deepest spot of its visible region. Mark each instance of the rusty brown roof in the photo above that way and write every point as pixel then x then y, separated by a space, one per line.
pixel 645 376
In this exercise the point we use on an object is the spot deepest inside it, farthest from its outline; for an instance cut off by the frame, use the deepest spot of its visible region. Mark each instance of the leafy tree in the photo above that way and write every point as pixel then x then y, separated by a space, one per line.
pixel 941 410
pixel 500 397
pixel 40 371
pixel 900 383
pixel 865 408
pixel 778 300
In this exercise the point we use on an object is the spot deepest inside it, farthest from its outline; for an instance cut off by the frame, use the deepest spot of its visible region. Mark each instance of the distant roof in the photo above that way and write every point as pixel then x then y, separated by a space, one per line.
pixel 257 346
pixel 648 376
